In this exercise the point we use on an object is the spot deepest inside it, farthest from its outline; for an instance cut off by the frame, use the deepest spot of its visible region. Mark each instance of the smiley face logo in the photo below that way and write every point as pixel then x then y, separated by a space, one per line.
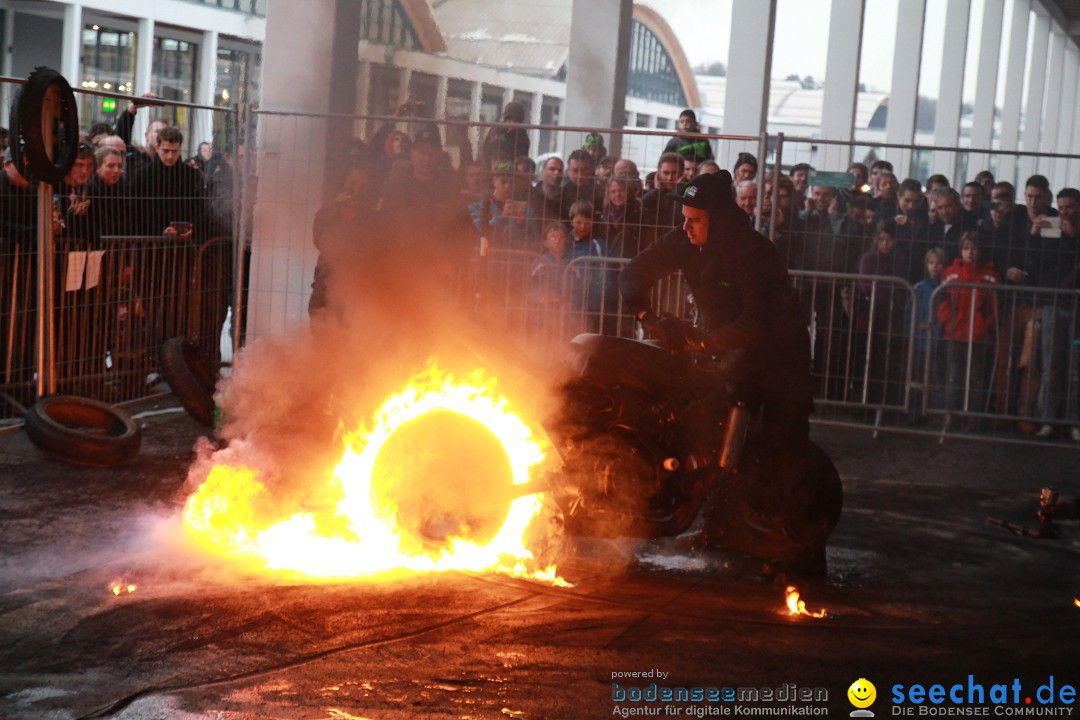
pixel 862 693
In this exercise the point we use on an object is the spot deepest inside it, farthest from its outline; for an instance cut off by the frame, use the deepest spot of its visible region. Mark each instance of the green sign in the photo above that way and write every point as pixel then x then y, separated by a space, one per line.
pixel 831 179
pixel 108 105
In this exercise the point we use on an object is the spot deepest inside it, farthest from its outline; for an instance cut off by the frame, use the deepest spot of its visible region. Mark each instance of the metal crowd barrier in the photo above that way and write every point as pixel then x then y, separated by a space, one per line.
pixel 116 302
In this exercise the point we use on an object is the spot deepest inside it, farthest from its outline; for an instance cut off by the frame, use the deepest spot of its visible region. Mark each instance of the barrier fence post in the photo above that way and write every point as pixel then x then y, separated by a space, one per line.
pixel 45 364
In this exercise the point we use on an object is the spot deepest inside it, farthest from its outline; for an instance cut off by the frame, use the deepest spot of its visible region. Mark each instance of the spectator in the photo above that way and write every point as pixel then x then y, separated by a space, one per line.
pixel 335 232
pixel 622 219
pixel 926 343
pixel 508 141
pixel 946 229
pixel 548 272
pixel 913 227
pixel 477 181
pixel 1057 320
pixel 110 207
pixel 881 314
pixel 546 195
pixel 594 145
pixel 605 168
pixel 396 147
pixel 1037 198
pixel 98 132
pixel 746 196
pixel 18 207
pixel 581 186
pixel 1006 240
pixel 74 205
pixel 884 204
pixel 800 178
pixel 221 188
pixel 709 167
pixel 137 158
pixel 862 177
pixel 423 205
pixel 170 192
pixel 660 212
pixel 972 201
pixel 597 294
pixel 968 316
pixel 985 179
pixel 503 222
pixel 876 169
pixel 687 144
pixel 745 167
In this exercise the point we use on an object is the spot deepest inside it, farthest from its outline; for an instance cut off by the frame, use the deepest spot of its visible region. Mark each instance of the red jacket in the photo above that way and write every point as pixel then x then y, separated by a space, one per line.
pixel 955 310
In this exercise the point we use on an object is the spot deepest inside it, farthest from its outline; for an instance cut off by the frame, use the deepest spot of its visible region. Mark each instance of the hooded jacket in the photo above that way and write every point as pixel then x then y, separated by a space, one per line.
pixel 963 322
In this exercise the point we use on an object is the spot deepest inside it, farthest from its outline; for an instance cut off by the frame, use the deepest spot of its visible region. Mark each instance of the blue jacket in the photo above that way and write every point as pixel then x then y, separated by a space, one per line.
pixel 927 329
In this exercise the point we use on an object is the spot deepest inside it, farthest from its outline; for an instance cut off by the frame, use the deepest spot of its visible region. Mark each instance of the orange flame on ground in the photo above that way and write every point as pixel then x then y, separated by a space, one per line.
pixel 1076 602
pixel 356 538
pixel 796 606
pixel 123 589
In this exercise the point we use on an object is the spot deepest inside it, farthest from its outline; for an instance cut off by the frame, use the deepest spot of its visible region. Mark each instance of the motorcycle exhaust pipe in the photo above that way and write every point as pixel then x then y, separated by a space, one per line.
pixel 738 423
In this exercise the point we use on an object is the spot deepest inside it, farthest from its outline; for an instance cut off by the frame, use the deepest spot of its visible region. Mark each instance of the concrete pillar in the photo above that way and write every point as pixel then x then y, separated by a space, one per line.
pixel 71 49
pixel 144 60
pixel 1036 84
pixel 598 65
pixel 841 82
pixel 1065 121
pixel 1014 86
pixel 1052 113
pixel 205 91
pixel 293 151
pixel 951 89
pixel 746 99
pixel 982 126
pixel 904 94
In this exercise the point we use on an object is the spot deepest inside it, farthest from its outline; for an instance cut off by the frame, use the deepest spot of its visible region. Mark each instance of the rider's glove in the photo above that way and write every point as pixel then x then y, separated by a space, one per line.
pixel 668 330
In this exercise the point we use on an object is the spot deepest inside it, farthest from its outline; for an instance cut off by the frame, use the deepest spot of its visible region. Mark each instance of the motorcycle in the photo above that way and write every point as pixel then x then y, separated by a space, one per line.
pixel 653 440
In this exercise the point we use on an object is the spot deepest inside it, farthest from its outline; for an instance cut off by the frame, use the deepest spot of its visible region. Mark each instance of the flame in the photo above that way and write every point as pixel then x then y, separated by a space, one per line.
pixel 121 588
pixel 377 525
pixel 796 606
pixel 1076 602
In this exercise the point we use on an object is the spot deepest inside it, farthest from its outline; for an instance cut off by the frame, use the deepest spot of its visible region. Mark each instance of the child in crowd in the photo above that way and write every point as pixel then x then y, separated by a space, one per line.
pixel 926 342
pixel 968 316
pixel 548 272
pixel 597 293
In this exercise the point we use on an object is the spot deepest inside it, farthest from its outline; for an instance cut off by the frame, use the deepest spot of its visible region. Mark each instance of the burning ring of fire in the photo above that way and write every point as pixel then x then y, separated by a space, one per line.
pixel 420 491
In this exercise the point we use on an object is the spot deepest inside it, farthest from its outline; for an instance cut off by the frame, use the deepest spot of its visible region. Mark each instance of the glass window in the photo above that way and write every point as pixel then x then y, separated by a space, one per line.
pixel 652 73
pixel 385 22
pixel 108 63
pixel 173 78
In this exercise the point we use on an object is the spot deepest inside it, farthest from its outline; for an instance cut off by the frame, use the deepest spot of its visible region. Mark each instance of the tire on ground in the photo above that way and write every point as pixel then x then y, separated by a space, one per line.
pixel 191 377
pixel 81 431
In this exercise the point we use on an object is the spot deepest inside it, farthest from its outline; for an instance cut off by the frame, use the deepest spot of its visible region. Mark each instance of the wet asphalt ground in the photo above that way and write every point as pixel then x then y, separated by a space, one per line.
pixel 921 591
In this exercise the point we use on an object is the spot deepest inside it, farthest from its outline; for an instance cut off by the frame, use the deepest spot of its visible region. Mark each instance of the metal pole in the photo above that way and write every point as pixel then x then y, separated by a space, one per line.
pixel 44 347
pixel 241 198
pixel 763 146
pixel 777 172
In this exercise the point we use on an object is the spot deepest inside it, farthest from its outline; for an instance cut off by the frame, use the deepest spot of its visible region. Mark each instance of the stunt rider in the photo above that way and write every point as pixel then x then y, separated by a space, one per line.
pixel 744 299
pixel 785 499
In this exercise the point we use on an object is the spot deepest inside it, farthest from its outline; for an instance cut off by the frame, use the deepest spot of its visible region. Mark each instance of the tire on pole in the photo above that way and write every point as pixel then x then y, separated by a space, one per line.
pixel 47 122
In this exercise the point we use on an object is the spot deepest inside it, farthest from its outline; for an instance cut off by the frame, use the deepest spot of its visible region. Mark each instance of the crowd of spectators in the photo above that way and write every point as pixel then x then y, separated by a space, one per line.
pixel 873 254
pixel 116 188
